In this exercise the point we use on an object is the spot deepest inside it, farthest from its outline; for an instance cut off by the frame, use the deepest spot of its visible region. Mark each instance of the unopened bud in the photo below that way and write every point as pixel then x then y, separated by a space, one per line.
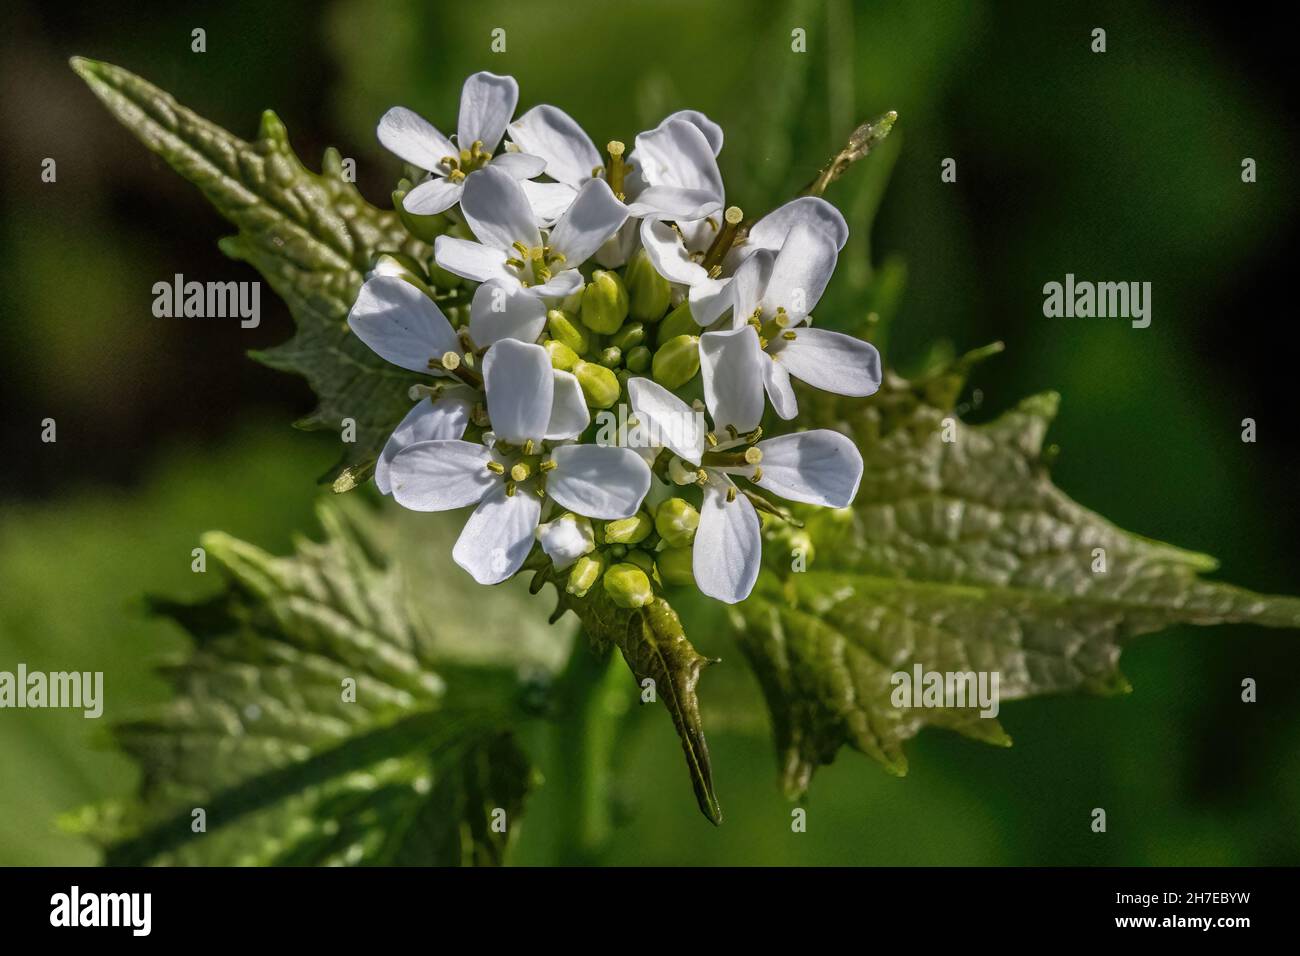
pixel 679 322
pixel 677 361
pixel 611 357
pixel 629 336
pixel 628 586
pixel 638 360
pixel 629 530
pixel 424 228
pixel 648 292
pixel 599 385
pixel 676 521
pixel 564 328
pixel 675 566
pixel 604 303
pixel 586 572
pixel 562 357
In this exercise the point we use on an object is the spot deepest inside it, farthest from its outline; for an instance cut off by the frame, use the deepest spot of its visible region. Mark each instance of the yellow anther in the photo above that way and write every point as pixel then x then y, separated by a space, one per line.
pixel 496 468
pixel 510 489
pixel 547 465
pixel 731 493
pixel 788 336
pixel 757 475
pixel 528 446
pixel 701 477
pixel 712 439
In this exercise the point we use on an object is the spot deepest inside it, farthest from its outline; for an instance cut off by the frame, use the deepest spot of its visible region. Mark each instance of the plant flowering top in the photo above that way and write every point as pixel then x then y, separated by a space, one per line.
pixel 693 319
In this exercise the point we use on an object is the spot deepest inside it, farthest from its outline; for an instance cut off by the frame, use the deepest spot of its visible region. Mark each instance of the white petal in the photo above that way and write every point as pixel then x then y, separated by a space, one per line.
pixel 497 210
pixel 711 130
pixel 831 361
pixel 667 419
pixel 519 384
pixel 401 324
pixel 593 217
pixel 487 102
pixel 471 260
pixel 569 415
pixel 710 299
pixel 668 255
pixel 428 420
pixel 566 539
pixel 413 138
pixel 673 202
pixel 498 535
pixel 440 475
pixel 776 382
pixel 731 366
pixel 559 286
pixel 432 197
pixel 520 165
pixel 749 283
pixel 677 153
pixel 549 200
pixel 554 135
pixel 502 310
pixel 770 231
pixel 818 467
pixel 728 548
pixel 802 269
pixel 598 481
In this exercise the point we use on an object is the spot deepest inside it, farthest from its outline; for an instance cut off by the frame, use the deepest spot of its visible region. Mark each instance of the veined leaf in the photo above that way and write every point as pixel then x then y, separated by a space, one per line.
pixel 958 555
pixel 311 235
pixel 311 724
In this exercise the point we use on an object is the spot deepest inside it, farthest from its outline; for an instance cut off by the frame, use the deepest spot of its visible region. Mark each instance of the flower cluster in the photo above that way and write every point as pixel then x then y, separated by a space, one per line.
pixel 602 395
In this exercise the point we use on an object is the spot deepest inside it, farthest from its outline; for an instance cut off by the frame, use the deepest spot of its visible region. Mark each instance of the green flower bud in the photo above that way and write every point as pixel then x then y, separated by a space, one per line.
pixel 629 336
pixel 585 573
pixel 424 228
pixel 638 360
pixel 604 302
pixel 642 559
pixel 628 586
pixel 611 357
pixel 679 322
pixel 675 566
pixel 677 361
pixel 565 329
pixel 676 521
pixel 440 278
pixel 599 385
pixel 648 292
pixel 629 530
pixel 562 357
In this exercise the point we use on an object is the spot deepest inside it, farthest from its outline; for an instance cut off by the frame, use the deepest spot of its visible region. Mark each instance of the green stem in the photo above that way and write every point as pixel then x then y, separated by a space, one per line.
pixel 595 693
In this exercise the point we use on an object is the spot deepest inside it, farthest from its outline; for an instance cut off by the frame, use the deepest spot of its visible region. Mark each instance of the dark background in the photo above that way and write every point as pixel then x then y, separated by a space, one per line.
pixel 1118 166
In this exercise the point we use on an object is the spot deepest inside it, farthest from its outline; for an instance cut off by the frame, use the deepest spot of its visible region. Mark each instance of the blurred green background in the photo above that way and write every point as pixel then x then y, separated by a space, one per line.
pixel 1116 166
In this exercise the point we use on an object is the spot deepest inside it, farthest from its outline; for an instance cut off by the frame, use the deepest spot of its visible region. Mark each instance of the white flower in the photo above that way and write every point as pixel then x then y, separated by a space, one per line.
pixel 510 247
pixel 819 467
pixel 671 174
pixel 531 406
pixel 403 326
pixel 487 102
pixel 773 295
pixel 679 251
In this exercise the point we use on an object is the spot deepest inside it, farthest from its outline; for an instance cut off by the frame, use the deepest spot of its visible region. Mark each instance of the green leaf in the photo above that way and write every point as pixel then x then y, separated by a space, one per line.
pixel 291 767
pixel 311 235
pixel 655 647
pixel 958 556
